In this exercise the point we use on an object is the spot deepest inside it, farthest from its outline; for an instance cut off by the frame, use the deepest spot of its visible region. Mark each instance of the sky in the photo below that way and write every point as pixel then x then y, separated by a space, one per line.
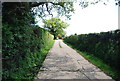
pixel 93 19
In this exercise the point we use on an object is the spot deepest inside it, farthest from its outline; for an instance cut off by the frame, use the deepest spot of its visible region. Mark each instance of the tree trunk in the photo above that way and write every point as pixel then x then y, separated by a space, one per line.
pixel 55 37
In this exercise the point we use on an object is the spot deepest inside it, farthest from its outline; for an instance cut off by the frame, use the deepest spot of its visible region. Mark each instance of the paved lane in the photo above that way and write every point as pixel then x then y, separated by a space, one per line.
pixel 62 62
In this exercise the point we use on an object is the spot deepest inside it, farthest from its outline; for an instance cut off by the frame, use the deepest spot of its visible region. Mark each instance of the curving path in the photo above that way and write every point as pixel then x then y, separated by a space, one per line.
pixel 62 62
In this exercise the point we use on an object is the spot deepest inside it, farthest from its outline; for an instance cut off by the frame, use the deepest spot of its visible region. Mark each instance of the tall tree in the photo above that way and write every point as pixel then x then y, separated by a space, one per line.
pixel 55 26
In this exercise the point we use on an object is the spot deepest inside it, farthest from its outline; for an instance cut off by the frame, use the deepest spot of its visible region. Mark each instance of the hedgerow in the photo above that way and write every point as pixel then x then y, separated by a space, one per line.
pixel 24 46
pixel 104 45
pixel 23 50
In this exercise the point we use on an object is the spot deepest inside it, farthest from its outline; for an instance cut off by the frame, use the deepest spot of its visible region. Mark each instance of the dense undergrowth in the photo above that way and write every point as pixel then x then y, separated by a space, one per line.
pixel 23 50
pixel 104 46
pixel 24 45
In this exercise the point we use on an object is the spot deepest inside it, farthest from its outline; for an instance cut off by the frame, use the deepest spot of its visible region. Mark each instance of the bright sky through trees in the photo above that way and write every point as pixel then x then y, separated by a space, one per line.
pixel 94 18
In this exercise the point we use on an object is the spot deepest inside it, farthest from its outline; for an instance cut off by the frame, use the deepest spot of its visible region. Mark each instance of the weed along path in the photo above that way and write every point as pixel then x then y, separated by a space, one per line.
pixel 62 62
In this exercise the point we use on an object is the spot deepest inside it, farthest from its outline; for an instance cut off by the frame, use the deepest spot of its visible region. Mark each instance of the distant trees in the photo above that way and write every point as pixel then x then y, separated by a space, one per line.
pixel 55 26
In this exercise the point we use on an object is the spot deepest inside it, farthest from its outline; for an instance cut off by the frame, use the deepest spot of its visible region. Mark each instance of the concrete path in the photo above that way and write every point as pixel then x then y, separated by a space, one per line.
pixel 62 62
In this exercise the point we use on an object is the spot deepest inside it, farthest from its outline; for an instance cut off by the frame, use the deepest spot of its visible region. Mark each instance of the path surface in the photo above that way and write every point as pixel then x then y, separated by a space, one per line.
pixel 62 62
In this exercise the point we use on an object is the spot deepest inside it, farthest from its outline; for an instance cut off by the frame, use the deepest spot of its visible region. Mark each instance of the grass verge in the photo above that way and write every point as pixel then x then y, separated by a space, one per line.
pixel 45 51
pixel 99 63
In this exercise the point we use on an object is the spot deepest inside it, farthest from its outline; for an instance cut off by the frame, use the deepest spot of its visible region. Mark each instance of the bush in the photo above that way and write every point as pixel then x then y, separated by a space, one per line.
pixel 22 50
pixel 104 45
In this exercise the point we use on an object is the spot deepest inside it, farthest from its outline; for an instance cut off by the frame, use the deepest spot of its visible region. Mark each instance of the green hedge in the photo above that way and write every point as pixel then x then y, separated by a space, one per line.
pixel 104 45
pixel 23 50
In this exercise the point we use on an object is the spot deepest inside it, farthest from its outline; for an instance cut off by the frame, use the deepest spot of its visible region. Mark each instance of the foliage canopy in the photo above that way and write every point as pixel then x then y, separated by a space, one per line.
pixel 55 26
